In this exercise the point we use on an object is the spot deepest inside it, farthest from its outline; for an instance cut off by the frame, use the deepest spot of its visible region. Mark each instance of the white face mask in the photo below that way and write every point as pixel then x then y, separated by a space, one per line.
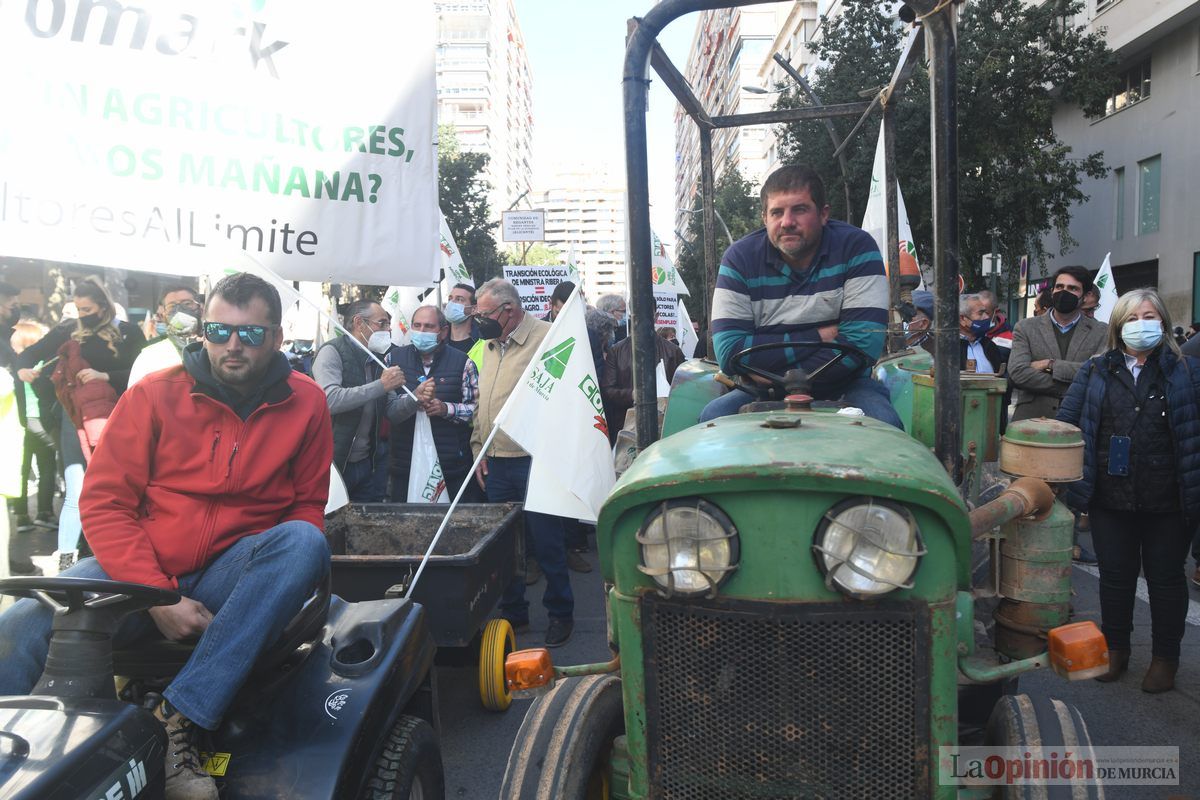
pixel 380 342
pixel 183 324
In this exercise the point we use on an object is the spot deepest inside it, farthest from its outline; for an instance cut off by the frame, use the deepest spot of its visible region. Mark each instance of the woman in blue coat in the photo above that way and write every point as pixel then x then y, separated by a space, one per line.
pixel 1137 407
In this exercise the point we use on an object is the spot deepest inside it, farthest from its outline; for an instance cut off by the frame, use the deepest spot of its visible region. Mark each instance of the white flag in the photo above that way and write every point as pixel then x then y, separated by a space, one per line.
pixel 1108 290
pixel 875 218
pixel 453 269
pixel 556 415
pixel 426 483
pixel 685 333
pixel 663 269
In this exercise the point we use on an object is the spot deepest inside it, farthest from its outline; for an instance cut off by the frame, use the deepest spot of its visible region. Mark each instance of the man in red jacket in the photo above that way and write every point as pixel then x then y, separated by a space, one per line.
pixel 211 479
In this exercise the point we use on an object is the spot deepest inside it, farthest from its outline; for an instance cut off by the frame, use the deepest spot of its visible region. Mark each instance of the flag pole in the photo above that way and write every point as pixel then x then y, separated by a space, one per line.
pixel 453 504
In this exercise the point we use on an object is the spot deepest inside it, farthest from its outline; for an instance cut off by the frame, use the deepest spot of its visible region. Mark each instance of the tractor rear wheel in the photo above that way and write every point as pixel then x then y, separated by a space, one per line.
pixel 1021 721
pixel 410 766
pixel 563 747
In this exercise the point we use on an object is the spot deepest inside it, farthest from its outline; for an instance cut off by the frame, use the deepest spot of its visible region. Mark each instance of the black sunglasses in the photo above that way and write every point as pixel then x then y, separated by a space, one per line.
pixel 249 335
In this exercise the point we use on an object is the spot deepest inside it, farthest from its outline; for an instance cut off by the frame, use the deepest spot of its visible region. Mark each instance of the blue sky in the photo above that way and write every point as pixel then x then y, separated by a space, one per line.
pixel 576 49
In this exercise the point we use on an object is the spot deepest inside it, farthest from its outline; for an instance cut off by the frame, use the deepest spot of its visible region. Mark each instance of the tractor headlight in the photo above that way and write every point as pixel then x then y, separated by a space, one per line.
pixel 868 547
pixel 688 546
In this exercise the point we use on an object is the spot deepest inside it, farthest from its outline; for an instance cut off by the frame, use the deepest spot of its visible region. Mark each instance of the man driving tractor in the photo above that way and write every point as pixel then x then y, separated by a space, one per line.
pixel 808 279
pixel 211 479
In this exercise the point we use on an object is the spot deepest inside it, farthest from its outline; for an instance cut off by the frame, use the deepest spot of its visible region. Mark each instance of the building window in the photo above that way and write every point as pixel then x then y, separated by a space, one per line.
pixel 1149 186
pixel 1133 86
pixel 1119 204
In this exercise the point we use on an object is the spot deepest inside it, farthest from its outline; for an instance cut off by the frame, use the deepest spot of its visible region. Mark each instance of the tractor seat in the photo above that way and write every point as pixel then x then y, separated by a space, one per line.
pixel 162 658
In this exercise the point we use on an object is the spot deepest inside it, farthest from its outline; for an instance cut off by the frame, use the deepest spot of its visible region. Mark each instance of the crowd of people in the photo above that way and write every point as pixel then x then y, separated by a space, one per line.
pixel 1132 386
pixel 460 364
pixel 219 484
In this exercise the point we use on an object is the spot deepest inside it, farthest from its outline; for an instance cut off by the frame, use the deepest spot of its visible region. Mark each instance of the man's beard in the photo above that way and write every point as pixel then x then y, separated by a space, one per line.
pixel 246 377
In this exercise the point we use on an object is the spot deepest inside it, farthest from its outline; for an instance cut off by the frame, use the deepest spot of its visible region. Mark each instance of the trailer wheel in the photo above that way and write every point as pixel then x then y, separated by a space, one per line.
pixel 410 766
pixel 1021 721
pixel 498 641
pixel 563 747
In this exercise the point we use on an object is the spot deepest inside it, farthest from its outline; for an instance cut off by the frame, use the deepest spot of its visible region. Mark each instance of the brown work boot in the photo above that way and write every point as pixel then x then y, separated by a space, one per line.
pixel 1161 675
pixel 186 778
pixel 577 562
pixel 1118 662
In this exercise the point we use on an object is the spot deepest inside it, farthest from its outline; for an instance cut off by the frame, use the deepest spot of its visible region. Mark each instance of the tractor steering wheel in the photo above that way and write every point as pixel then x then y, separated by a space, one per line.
pixel 844 350
pixel 67 595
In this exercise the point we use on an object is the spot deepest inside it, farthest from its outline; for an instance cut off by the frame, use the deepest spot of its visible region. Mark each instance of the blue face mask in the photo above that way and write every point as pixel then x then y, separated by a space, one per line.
pixel 1142 334
pixel 160 328
pixel 425 341
pixel 980 327
pixel 456 313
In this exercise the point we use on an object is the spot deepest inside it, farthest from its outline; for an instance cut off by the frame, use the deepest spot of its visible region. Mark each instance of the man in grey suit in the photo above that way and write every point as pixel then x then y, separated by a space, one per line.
pixel 1048 350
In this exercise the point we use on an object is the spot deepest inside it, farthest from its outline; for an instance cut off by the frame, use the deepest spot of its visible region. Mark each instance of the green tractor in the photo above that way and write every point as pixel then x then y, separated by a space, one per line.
pixel 790 592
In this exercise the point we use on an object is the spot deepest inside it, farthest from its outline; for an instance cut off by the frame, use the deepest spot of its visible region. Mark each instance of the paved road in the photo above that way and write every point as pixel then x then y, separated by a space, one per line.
pixel 475 743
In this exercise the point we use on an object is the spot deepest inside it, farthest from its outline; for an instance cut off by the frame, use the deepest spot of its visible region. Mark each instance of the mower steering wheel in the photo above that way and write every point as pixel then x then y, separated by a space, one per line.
pixel 66 595
pixel 844 350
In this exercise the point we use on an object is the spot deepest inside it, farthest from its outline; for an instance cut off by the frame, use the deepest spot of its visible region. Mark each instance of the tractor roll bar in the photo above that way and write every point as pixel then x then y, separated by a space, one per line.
pixel 642 48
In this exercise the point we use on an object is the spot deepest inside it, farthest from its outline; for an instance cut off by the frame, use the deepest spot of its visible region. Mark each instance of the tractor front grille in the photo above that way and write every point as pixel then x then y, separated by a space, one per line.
pixel 766 700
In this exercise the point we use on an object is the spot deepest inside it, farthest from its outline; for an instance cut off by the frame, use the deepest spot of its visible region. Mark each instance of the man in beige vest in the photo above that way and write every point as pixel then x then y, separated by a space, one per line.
pixel 512 338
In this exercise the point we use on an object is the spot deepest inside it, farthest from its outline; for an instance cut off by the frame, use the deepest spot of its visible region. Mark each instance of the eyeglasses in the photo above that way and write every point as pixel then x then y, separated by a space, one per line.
pixel 249 335
pixel 489 314
pixel 377 324
pixel 183 305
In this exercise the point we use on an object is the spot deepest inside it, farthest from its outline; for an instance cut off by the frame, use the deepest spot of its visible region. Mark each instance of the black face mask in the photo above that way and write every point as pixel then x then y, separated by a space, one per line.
pixel 489 328
pixel 90 321
pixel 1064 302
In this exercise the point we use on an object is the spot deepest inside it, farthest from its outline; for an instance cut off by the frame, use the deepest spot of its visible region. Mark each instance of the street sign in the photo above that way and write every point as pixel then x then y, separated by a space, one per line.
pixel 987 263
pixel 523 226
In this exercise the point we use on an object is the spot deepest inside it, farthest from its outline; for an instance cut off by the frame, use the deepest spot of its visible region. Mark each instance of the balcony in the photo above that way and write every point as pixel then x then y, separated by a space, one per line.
pixel 1135 24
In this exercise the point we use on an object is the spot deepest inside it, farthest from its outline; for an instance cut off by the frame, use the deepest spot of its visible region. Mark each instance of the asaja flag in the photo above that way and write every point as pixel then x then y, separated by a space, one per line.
pixel 453 269
pixel 1108 290
pixel 556 415
pixel 875 218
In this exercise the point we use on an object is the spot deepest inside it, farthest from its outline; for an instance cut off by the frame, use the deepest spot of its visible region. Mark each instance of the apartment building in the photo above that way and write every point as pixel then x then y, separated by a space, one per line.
pixel 485 90
pixel 1145 211
pixel 728 51
pixel 585 218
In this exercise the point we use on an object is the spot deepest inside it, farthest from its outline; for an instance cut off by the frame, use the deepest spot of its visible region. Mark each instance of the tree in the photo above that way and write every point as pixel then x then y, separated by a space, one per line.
pixel 462 194
pixel 1017 63
pixel 739 207
pixel 539 255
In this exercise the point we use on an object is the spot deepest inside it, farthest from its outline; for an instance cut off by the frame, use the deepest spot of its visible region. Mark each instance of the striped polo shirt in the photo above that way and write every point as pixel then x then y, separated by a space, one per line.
pixel 759 298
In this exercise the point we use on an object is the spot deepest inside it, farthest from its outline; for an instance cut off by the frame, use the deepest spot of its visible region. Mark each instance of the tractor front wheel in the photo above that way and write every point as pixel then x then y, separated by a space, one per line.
pixel 1021 721
pixel 565 742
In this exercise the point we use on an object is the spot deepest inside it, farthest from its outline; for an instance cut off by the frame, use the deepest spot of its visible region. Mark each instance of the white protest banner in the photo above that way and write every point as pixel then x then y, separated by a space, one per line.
pixel 148 132
pixel 1107 285
pixel 875 219
pixel 536 284
pixel 666 310
pixel 556 415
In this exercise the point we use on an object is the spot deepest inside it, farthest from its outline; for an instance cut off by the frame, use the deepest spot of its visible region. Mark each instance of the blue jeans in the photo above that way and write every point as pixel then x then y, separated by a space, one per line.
pixel 367 484
pixel 864 392
pixel 253 589
pixel 508 480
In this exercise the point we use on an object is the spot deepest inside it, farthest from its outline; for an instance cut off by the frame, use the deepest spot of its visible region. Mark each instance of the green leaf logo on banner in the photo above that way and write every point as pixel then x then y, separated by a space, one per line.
pixel 1102 281
pixel 555 359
